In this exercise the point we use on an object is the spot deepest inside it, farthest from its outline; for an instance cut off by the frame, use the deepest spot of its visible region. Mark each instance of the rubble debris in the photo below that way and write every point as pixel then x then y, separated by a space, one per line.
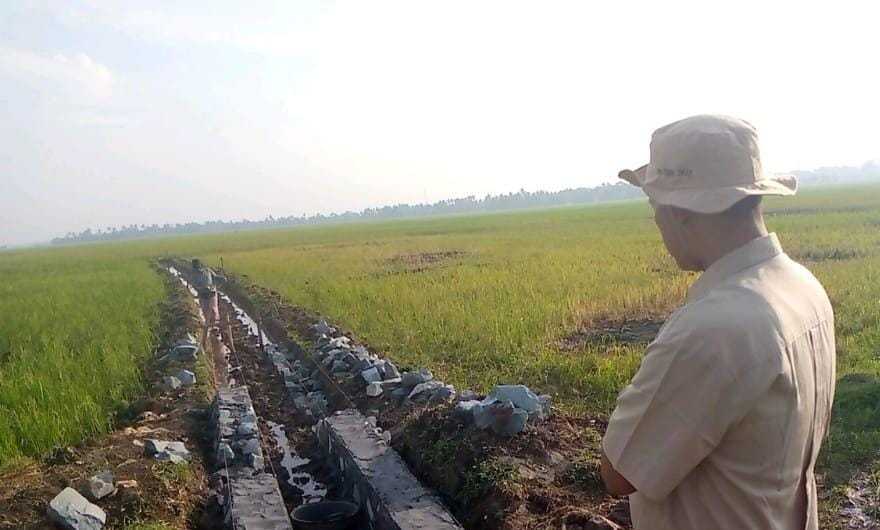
pixel 371 375
pixel 174 452
pixel 101 485
pixel 374 389
pixel 412 379
pixel 388 370
pixel 465 409
pixel 169 382
pixel 424 389
pixel 537 407
pixel 468 395
pixel 184 352
pixel 186 377
pixel 323 328
pixel 71 510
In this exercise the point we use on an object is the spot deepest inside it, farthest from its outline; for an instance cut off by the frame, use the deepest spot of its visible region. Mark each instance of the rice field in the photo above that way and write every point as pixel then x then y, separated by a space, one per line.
pixel 75 325
pixel 531 296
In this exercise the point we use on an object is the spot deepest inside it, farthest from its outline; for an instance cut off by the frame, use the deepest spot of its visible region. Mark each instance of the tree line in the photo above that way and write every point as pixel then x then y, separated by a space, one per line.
pixel 470 204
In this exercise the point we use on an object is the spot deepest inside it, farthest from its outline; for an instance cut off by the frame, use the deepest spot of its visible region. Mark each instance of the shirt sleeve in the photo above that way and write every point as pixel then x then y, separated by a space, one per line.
pixel 692 386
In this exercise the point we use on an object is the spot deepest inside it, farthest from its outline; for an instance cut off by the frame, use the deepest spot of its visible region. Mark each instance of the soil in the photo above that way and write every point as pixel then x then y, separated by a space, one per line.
pixel 420 262
pixel 607 332
pixel 820 255
pixel 147 490
pixel 546 477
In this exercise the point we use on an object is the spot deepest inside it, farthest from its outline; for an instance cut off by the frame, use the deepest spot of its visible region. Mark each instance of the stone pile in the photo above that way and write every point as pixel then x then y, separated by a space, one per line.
pixel 341 357
pixel 506 410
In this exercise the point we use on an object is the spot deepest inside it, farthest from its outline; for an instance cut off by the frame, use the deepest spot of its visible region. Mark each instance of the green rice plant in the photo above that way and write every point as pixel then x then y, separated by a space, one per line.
pixel 75 327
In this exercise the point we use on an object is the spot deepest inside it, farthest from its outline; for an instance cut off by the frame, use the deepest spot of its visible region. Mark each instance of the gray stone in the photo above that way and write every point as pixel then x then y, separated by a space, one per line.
pixel 323 328
pixel 225 453
pixel 101 485
pixel 186 377
pixel 411 379
pixel 170 382
pixel 184 352
pixel 424 389
pixel 388 370
pixel 500 416
pixel 339 342
pixel 543 413
pixel 317 402
pixel 250 447
pixel 464 410
pixel 516 423
pixel 371 375
pixel 71 510
pixel 519 395
pixel 294 388
pixel 339 366
pixel 374 389
pixel 247 428
pixel 468 395
pixel 442 393
pixel 256 461
pixel 174 452
pixel 301 402
pixel 400 393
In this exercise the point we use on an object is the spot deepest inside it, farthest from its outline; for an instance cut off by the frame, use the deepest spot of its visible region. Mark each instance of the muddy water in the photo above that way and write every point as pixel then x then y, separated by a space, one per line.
pixel 176 273
pixel 312 490
pixel 293 464
pixel 244 318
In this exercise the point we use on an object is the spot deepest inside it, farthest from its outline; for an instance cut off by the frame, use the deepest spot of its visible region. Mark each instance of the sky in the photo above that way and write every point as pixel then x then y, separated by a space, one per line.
pixel 113 113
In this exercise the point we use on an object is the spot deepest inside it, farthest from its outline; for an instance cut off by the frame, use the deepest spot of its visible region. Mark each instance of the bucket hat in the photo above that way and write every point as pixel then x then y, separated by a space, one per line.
pixel 706 164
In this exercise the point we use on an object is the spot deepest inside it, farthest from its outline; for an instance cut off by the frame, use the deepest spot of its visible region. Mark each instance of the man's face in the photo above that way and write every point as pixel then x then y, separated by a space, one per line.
pixel 673 227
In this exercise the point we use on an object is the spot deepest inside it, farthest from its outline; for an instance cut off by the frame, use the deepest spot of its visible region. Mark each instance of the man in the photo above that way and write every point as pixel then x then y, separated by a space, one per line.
pixel 720 427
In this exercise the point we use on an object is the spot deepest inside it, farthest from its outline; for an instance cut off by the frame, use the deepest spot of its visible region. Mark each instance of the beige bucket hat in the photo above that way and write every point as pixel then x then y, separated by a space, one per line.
pixel 706 164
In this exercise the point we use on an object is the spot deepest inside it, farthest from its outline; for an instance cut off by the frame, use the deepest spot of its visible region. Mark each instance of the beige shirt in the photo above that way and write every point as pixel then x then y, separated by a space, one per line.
pixel 720 427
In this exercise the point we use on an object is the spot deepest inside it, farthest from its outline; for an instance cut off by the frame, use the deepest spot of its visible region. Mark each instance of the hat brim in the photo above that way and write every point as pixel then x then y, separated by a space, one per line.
pixel 715 200
pixel 634 177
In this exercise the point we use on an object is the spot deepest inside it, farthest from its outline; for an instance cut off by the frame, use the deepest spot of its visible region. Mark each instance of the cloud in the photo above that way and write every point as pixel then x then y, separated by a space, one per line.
pixel 271 28
pixel 76 76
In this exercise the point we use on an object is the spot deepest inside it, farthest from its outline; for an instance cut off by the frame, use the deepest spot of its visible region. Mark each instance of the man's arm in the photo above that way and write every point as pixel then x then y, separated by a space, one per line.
pixel 615 483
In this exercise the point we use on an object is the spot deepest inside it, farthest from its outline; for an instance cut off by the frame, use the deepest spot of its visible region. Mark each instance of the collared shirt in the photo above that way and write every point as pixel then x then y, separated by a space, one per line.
pixel 721 426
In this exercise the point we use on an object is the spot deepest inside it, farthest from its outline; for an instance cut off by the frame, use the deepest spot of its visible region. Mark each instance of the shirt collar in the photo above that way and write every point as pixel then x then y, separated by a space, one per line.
pixel 752 253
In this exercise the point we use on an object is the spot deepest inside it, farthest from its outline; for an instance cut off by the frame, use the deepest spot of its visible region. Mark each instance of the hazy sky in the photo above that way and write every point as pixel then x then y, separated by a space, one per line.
pixel 114 113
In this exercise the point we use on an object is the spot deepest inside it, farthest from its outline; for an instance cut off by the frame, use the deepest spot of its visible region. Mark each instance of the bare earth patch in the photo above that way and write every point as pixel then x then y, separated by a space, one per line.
pixel 826 254
pixel 607 332
pixel 421 261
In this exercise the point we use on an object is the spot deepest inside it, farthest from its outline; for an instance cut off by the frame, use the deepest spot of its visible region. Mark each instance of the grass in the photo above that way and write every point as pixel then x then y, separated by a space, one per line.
pixel 74 328
pixel 480 299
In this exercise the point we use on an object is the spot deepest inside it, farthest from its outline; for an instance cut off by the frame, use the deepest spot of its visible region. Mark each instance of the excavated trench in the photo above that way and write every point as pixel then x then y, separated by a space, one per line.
pixel 252 367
